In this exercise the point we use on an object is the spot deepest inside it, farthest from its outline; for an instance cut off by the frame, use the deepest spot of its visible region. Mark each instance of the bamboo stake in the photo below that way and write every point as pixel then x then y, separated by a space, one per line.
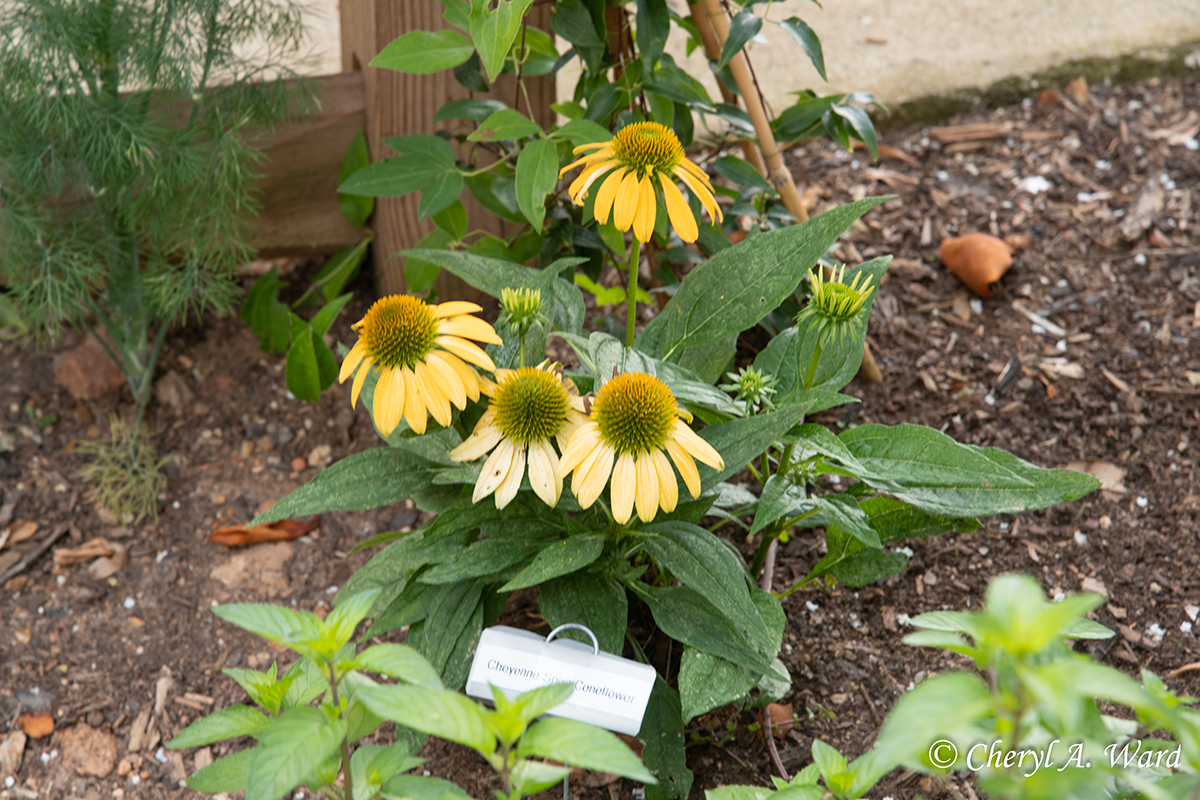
pixel 712 49
pixel 776 171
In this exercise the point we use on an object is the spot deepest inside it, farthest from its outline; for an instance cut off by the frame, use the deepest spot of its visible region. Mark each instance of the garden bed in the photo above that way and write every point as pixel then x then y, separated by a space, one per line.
pixel 1124 391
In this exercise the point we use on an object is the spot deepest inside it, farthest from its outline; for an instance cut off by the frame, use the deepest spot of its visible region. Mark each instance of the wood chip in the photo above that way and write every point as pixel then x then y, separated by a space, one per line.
pixel 183 701
pixel 1038 136
pixel 1121 385
pixel 96 548
pixel 1038 319
pixel 967 133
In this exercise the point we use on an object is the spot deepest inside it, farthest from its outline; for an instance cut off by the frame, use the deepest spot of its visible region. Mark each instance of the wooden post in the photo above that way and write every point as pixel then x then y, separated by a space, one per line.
pixel 399 104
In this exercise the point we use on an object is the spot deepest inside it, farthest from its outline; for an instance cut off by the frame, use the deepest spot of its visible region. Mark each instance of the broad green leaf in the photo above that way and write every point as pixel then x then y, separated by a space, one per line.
pixel 485 557
pixel 227 723
pixel 497 194
pixel 844 511
pixel 686 616
pixel 415 787
pixel 803 119
pixel 535 702
pixel 582 131
pixel 458 664
pixel 438 712
pixel 662 737
pixel 529 777
pixel 324 318
pixel 419 275
pixel 591 599
pixel 348 613
pixel 356 209
pixel 495 29
pixel 828 760
pixel 440 194
pixel 860 122
pixel 574 23
pixel 557 559
pixel 392 177
pixel 303 374
pixel 372 765
pixel 934 710
pixel 289 749
pixel 360 722
pixel 582 745
pixel 707 682
pixel 367 479
pixel 807 38
pixel 476 110
pixel 505 124
pixel 652 25
pixel 452 220
pixel 868 566
pixel 739 286
pixel 423 52
pixel 399 661
pixel 741 173
pixel 942 640
pixel 537 175
pixel 306 683
pixel 300 630
pixel 739 442
pixel 229 773
pixel 780 498
pixel 930 470
pixel 699 560
pixel 453 614
pixel 262 687
pixel 742 28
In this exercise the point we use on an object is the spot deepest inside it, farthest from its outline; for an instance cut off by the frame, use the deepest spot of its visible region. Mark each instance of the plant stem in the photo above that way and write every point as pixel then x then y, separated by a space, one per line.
pixel 760 556
pixel 635 254
pixel 348 781
pixel 812 365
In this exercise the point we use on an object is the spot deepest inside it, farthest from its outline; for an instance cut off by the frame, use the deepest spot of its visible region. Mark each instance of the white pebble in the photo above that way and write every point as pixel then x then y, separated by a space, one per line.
pixel 942 175
pixel 904 619
pixel 1156 632
pixel 1080 538
pixel 906 550
pixel 1003 526
pixel 835 479
pixel 161 555
pixel 1140 259
pixel 811 605
pixel 135 779
pixel 1061 345
pixel 1034 184
pixel 9 782
pixel 130 602
pixel 160 756
pixel 1191 144
pixel 1038 329
pixel 976 306
pixel 855 622
pixel 983 551
pixel 1142 502
pixel 140 650
pixel 1103 166
pixel 331 590
pixel 175 504
pixel 854 164
pixel 1059 597
pixel 990 400
pixel 1185 627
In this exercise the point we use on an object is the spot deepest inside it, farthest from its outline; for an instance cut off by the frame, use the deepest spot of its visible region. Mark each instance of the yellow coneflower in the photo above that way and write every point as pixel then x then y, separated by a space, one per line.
pixel 641 160
pixel 419 352
pixel 635 423
pixel 529 407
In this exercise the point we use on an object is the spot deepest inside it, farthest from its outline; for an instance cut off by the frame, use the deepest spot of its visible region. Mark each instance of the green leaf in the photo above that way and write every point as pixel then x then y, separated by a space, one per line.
pixel 262 687
pixel 268 318
pixel 303 373
pixel 859 122
pixel 497 194
pixel 529 777
pixel 416 787
pixel 557 559
pixel 707 682
pixel 869 566
pixel 419 274
pixel 485 557
pixel 574 23
pixel 300 630
pixel 741 173
pixel 590 599
pixel 355 209
pixel 933 710
pixel 476 110
pixel 306 683
pixel 348 613
pixel 230 773
pixel 360 481
pixel 687 616
pixel 423 52
pixel 392 177
pixel 737 287
pixel 289 749
pixel 700 561
pixel 652 26
pixel 495 30
pixel 537 175
pixel 505 124
pixel 440 194
pixel 780 498
pixel 372 765
pixel 844 511
pixel 438 712
pixel 227 723
pixel 452 615
pixel 930 470
pixel 739 442
pixel 452 220
pixel 401 662
pixel 582 131
pixel 582 745
pixel 742 28
pixel 808 39
pixel 662 737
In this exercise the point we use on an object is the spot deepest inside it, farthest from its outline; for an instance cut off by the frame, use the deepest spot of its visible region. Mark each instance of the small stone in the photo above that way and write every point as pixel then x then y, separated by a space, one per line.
pixel 87 750
pixel 200 410
pixel 261 569
pixel 299 464
pixel 320 456
pixel 172 391
pixel 16 584
pixel 88 372
pixel 217 498
pixel 345 419
pixel 107 516
pixel 83 414
pixel 931 578
pixel 93 431
pixel 124 768
pixel 282 434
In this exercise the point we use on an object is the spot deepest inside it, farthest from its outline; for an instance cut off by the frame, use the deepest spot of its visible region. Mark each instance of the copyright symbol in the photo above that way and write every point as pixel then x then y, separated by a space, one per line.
pixel 943 754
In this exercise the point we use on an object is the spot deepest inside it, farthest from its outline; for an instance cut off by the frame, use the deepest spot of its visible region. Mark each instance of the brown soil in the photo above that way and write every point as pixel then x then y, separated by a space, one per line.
pixel 1124 391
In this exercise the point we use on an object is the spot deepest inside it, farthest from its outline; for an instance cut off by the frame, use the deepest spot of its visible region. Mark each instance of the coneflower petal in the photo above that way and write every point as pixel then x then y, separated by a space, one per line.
pixel 511 484
pixel 360 378
pixel 352 360
pixel 626 203
pixel 647 208
pixel 388 401
pixel 607 194
pixel 668 486
pixel 699 448
pixel 453 308
pixel 679 212
pixel 495 470
pixel 467 351
pixel 624 487
pixel 685 465
pixel 414 403
pixel 469 328
pixel 646 498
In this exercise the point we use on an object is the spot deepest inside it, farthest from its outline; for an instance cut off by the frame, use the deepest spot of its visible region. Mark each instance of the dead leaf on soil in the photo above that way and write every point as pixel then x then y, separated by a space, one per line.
pixel 887 151
pixel 978 259
pixel 896 180
pixel 1145 210
pixel 782 718
pixel 18 532
pixel 1093 585
pixel 283 530
pixel 96 548
pixel 1109 475
pixel 1077 90
pixel 107 566
pixel 37 725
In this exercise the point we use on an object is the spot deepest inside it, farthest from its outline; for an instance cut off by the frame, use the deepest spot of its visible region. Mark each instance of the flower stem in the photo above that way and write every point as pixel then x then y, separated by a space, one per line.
pixel 812 365
pixel 635 254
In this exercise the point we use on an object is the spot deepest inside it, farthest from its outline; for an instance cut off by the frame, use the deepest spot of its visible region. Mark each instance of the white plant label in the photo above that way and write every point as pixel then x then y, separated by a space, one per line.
pixel 610 691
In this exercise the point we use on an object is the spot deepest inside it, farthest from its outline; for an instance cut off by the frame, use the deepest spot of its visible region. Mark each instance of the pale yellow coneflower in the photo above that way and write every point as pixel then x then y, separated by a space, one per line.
pixel 640 161
pixel 418 351
pixel 635 422
pixel 529 407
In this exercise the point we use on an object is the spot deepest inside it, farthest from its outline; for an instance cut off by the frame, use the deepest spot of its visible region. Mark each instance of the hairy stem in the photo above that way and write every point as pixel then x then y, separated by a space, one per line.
pixel 812 365
pixel 348 781
pixel 635 254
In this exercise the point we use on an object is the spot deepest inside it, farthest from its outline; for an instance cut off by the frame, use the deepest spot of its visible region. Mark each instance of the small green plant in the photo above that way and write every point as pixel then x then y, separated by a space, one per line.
pixel 311 367
pixel 1028 724
pixel 125 472
pixel 312 745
